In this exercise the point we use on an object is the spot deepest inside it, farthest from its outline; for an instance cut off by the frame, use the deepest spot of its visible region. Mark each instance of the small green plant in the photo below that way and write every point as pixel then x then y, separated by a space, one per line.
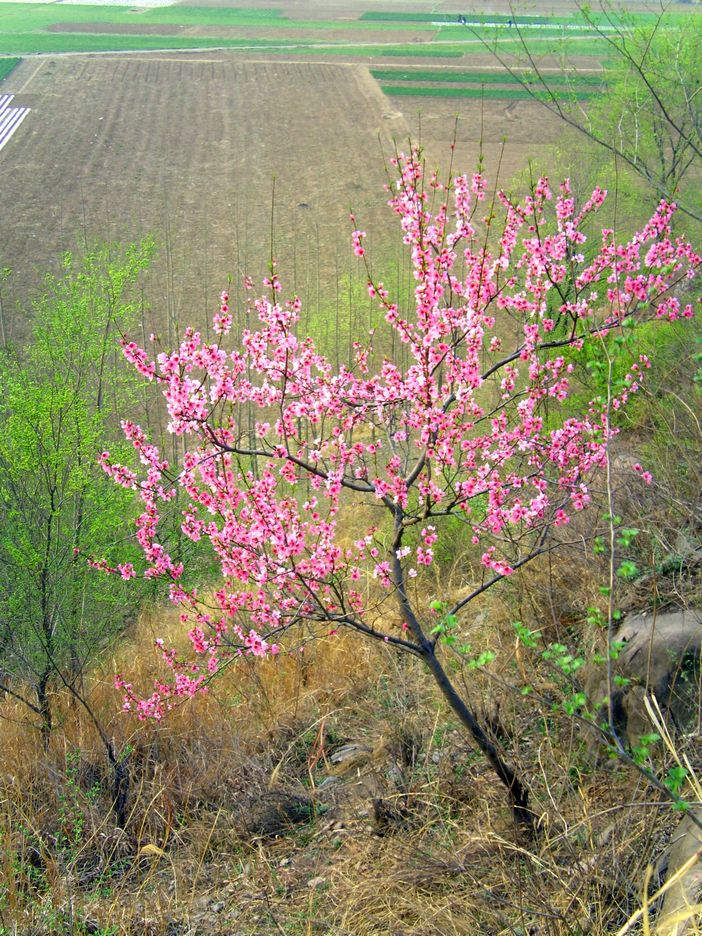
pixel 562 658
pixel 528 638
pixel 73 802
pixel 675 779
pixel 641 752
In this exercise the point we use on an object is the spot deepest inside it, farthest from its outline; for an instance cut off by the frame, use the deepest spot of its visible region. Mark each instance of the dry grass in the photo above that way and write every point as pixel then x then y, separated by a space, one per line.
pixel 244 817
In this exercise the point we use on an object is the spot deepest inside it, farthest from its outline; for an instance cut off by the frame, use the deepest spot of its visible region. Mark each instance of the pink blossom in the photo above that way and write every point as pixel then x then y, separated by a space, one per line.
pixel 285 451
pixel 646 476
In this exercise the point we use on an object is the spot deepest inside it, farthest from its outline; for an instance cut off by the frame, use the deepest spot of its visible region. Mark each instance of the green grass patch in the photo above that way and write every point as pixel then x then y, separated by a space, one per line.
pixel 97 42
pixel 454 76
pixel 7 65
pixel 496 94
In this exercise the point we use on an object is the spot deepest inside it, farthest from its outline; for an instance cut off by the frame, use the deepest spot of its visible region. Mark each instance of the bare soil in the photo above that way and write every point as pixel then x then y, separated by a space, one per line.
pixel 188 148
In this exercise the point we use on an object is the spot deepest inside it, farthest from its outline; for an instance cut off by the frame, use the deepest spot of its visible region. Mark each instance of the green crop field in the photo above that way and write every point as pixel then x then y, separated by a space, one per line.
pixel 520 19
pixel 28 17
pixel 455 76
pixel 119 42
pixel 7 65
pixel 589 46
pixel 382 51
pixel 25 19
pixel 400 17
pixel 54 28
pixel 494 94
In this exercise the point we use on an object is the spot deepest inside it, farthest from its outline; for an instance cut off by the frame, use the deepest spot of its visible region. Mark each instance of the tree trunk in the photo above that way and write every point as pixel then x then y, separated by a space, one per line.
pixel 44 706
pixel 518 793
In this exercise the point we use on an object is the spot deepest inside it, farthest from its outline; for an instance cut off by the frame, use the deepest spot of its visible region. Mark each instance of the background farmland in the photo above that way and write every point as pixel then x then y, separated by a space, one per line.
pixel 187 146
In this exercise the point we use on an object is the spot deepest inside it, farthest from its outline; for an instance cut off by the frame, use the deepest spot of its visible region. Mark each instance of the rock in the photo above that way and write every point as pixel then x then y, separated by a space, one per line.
pixel 351 752
pixel 350 758
pixel 274 812
pixel 675 916
pixel 661 657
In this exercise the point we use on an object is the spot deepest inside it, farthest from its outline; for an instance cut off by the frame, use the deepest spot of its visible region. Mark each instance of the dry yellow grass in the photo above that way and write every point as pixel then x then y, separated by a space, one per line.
pixel 242 819
pixel 243 816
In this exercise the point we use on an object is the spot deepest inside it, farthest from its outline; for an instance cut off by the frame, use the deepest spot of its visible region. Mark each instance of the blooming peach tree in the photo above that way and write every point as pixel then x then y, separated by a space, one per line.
pixel 501 312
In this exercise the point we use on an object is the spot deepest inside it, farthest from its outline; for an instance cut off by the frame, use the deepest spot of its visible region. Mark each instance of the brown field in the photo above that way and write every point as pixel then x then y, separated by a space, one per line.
pixel 186 147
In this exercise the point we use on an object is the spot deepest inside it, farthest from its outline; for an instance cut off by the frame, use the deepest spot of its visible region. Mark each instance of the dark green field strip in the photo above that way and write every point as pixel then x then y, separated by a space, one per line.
pixel 454 76
pixel 496 94
pixel 7 65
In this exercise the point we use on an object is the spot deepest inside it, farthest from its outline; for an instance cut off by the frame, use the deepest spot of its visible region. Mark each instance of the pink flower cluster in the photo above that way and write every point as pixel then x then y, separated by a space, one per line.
pixel 459 430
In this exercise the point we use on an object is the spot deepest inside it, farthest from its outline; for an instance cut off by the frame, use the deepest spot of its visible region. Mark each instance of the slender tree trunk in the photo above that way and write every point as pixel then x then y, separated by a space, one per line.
pixel 518 793
pixel 44 706
pixel 120 785
pixel 426 650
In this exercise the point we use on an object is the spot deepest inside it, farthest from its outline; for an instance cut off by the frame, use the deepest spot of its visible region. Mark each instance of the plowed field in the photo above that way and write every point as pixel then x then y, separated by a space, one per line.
pixel 188 148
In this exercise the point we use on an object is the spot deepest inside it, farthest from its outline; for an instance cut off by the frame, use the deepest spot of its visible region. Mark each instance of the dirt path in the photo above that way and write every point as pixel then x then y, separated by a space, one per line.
pixel 32 76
